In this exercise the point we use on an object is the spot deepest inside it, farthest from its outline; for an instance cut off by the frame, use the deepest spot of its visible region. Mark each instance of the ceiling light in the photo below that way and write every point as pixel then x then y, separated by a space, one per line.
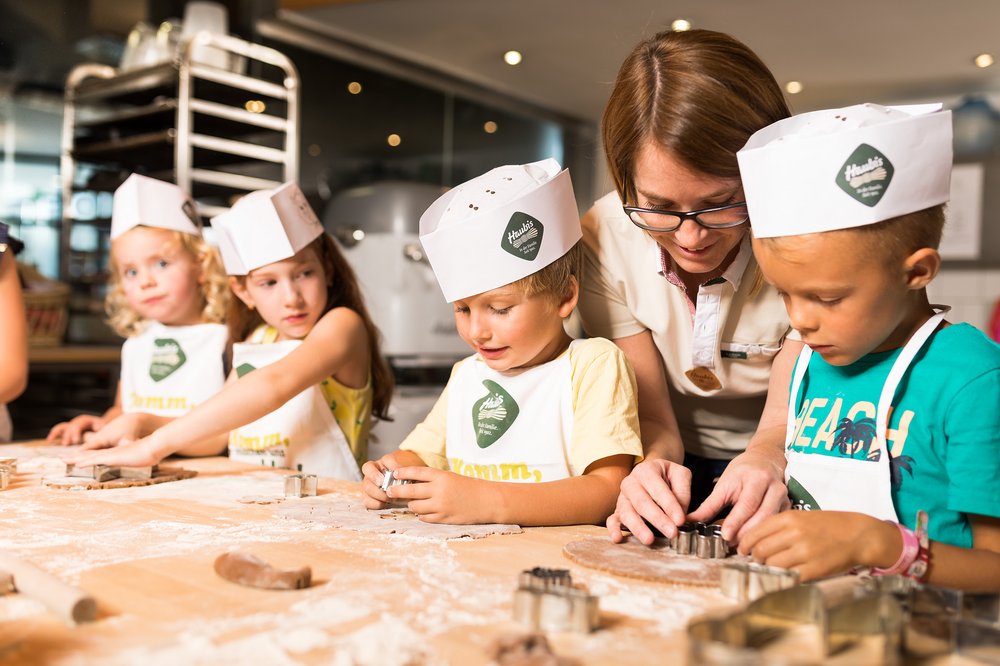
pixel 255 106
pixel 984 60
pixel 393 140
pixel 793 87
pixel 314 150
pixel 354 87
pixel 490 127
pixel 680 25
pixel 512 57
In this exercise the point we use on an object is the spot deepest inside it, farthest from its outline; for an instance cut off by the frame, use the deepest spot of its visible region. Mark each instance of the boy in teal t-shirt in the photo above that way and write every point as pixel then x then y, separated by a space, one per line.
pixel 893 412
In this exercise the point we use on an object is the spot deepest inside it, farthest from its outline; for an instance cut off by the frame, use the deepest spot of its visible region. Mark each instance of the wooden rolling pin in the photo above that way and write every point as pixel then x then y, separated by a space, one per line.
pixel 64 600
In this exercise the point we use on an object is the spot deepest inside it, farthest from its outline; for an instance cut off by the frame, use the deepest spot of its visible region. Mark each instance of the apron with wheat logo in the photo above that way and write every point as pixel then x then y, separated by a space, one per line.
pixel 511 427
pixel 170 370
pixel 302 434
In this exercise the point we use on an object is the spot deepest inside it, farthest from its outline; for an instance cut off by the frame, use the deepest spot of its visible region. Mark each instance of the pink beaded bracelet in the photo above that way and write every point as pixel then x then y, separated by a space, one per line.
pixel 911 550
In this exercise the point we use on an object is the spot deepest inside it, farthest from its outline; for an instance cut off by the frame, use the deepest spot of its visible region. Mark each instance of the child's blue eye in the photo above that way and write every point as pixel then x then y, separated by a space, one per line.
pixel 162 263
pixel 130 273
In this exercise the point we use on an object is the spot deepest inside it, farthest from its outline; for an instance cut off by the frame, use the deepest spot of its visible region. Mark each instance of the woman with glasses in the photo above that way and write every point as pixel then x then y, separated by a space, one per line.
pixel 670 277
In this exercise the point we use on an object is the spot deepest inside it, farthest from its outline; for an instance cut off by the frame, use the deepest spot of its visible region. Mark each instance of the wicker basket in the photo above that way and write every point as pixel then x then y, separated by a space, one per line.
pixel 45 305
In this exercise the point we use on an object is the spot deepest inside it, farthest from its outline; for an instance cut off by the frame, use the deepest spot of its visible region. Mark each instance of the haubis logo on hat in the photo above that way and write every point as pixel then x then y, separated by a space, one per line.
pixel 845 168
pixel 500 227
pixel 264 227
pixel 147 202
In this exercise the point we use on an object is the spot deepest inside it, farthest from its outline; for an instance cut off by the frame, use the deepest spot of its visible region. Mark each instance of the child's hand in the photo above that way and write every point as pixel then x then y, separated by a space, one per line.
pixel 71 432
pixel 446 497
pixel 139 453
pixel 822 543
pixel 371 485
pixel 126 426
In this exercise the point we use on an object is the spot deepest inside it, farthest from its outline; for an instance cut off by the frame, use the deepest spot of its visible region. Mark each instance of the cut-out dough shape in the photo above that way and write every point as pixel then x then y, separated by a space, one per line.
pixel 161 475
pixel 654 563
pixel 352 515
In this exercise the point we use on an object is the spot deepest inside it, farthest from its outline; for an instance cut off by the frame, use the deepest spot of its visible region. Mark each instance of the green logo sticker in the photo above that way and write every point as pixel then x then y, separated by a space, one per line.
pixel 167 357
pixel 800 497
pixel 523 236
pixel 866 175
pixel 493 414
pixel 244 369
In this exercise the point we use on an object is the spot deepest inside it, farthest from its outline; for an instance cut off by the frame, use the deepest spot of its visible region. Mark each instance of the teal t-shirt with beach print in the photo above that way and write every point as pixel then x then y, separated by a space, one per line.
pixel 943 435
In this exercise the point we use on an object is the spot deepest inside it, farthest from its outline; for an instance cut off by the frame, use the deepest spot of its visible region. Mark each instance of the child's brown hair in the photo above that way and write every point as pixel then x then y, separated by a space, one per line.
pixel 126 322
pixel 342 290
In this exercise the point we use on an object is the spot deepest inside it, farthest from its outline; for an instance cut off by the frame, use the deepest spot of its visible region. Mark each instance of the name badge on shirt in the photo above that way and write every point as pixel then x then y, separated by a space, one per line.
pixel 704 379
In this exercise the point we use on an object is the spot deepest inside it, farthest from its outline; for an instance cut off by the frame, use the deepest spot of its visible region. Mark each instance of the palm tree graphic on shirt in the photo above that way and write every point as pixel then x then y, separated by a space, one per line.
pixel 855 436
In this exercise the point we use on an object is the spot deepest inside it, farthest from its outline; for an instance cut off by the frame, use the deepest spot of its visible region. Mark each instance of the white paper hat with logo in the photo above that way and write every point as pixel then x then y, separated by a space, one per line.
pixel 147 202
pixel 502 226
pixel 264 227
pixel 845 168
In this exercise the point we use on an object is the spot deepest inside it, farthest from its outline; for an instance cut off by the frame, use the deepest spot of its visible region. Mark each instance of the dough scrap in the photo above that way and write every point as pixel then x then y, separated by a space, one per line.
pixel 161 475
pixel 250 570
pixel 352 515
pixel 654 563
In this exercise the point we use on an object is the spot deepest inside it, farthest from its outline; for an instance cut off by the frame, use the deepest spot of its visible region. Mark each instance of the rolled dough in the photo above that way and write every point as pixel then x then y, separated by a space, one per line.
pixel 654 563
pixel 352 515
pixel 250 570
pixel 161 475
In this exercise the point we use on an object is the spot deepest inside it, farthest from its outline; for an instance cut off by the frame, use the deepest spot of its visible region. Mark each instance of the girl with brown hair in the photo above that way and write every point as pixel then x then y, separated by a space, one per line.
pixel 670 277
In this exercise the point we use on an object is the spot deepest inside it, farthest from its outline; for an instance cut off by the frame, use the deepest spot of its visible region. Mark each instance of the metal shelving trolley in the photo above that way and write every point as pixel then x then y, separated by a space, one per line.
pixel 218 132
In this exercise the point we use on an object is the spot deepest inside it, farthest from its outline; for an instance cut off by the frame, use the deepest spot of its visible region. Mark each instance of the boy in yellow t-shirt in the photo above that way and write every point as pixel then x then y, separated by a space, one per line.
pixel 534 428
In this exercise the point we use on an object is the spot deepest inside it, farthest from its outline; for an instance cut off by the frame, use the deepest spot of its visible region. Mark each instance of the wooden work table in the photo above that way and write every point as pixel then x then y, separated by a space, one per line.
pixel 146 554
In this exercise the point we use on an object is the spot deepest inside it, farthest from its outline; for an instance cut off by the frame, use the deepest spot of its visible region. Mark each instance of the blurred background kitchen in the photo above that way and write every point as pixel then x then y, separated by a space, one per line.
pixel 376 106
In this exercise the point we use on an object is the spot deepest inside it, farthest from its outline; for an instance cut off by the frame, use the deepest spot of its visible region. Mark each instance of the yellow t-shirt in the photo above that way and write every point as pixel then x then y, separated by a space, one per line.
pixel 602 395
pixel 351 407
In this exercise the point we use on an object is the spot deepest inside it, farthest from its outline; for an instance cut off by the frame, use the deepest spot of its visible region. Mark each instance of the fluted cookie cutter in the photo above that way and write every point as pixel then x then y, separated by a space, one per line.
pixel 301 485
pixel 389 479
pixel 10 464
pixel 747 581
pixel 5 475
pixel 547 600
pixel 95 472
pixel 700 539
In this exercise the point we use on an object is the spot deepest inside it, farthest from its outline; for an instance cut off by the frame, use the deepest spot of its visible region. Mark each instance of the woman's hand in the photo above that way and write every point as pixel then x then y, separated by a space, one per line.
pixel 71 432
pixel 822 543
pixel 129 426
pixel 139 453
pixel 754 486
pixel 437 496
pixel 657 491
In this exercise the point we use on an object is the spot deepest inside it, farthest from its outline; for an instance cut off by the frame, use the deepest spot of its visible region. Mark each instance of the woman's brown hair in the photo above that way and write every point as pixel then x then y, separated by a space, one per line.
pixel 342 290
pixel 699 94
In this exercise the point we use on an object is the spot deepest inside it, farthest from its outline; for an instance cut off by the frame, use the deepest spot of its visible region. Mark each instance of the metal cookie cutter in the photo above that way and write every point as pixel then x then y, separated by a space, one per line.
pixel 5 475
pixel 137 472
pixel 546 599
pixel 10 464
pixel 96 472
pixel 389 479
pixel 301 485
pixel 700 539
pixel 747 581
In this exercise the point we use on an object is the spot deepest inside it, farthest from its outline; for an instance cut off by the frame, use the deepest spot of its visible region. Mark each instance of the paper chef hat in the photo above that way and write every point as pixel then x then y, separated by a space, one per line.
pixel 500 227
pixel 845 168
pixel 264 227
pixel 147 202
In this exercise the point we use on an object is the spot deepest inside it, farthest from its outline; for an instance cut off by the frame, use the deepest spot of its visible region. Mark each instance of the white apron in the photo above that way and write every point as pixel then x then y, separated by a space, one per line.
pixel 853 485
pixel 511 427
pixel 170 370
pixel 302 434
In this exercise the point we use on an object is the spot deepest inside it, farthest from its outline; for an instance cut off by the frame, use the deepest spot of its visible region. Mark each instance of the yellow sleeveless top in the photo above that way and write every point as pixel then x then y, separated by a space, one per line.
pixel 351 407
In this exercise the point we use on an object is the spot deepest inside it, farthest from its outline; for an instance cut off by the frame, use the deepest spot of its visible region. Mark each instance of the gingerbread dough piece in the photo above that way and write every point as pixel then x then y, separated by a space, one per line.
pixel 250 570
pixel 351 515
pixel 654 563
pixel 161 475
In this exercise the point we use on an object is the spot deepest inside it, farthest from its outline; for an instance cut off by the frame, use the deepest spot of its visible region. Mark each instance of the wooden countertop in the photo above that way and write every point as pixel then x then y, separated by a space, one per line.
pixel 146 554
pixel 74 354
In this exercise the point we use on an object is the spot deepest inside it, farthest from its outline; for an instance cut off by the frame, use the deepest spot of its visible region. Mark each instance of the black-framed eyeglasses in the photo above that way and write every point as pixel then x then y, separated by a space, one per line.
pixel 717 217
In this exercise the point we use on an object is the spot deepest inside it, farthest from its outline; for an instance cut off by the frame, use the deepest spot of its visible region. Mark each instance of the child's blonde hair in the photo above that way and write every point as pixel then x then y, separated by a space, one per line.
pixel 553 280
pixel 126 322
pixel 342 290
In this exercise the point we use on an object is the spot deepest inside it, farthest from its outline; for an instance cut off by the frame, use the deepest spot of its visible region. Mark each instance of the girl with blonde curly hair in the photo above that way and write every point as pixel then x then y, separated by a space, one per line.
pixel 168 296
